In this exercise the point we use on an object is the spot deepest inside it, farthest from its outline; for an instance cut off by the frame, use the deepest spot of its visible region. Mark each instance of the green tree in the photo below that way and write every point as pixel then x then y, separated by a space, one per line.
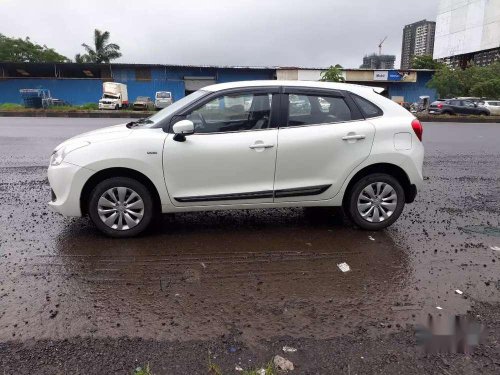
pixel 333 74
pixel 103 52
pixel 425 62
pixel 24 50
pixel 473 81
pixel 487 89
pixel 446 83
pixel 82 58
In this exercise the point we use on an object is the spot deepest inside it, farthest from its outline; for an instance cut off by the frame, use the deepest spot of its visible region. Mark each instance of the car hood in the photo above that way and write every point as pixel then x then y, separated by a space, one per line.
pixel 100 135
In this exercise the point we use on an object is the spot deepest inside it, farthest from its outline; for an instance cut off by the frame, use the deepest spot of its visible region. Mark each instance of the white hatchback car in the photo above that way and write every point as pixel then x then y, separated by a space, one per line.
pixel 241 145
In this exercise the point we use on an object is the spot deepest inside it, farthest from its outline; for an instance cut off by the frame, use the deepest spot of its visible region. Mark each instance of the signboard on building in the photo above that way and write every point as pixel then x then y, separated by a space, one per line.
pixel 380 75
pixel 394 76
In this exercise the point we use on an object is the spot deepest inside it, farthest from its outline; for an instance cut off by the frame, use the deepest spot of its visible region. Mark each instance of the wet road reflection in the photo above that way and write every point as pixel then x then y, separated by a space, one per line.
pixel 251 274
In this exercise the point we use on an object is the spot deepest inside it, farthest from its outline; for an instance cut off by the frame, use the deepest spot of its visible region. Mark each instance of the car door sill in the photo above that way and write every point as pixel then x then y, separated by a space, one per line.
pixel 283 193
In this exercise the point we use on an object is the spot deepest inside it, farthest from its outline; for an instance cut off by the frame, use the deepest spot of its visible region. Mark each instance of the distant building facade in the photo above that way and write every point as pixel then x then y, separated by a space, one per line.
pixel 375 61
pixel 418 40
pixel 468 32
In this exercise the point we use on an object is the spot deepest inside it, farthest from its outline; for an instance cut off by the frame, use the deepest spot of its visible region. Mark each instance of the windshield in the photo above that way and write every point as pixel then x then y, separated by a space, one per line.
pixel 164 113
pixel 110 96
pixel 163 95
pixel 142 99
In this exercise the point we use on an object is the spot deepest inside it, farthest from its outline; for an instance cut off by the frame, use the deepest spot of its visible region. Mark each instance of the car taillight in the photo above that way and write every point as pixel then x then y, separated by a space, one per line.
pixel 440 105
pixel 417 128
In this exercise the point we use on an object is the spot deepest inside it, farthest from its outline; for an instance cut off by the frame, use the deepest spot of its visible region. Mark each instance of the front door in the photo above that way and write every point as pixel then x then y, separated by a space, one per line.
pixel 231 157
pixel 322 141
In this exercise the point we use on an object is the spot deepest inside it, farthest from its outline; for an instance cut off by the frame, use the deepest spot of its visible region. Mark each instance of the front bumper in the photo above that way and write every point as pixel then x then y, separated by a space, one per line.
pixel 66 181
pixel 107 106
pixel 162 104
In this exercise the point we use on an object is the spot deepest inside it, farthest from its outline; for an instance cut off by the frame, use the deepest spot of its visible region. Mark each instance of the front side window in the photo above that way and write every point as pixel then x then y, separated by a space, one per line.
pixel 316 109
pixel 230 113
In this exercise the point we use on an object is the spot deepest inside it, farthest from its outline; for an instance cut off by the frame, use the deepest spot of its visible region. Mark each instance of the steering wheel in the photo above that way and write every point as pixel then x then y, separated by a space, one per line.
pixel 203 124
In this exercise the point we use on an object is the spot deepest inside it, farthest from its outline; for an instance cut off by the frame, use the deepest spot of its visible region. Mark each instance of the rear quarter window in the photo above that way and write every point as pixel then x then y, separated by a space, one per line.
pixel 367 108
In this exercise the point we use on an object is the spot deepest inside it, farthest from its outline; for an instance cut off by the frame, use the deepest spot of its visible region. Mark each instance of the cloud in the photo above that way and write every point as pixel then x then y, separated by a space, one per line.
pixel 312 33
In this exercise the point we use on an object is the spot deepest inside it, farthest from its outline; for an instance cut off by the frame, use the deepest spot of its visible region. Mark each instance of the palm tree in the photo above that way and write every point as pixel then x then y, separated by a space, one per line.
pixel 103 51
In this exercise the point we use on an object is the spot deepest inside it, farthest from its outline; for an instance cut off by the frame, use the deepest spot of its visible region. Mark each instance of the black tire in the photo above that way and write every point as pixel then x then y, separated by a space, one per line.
pixel 129 183
pixel 351 206
pixel 447 113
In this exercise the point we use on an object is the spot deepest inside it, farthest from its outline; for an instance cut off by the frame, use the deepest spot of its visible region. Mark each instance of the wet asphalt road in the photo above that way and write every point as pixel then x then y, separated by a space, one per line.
pixel 254 274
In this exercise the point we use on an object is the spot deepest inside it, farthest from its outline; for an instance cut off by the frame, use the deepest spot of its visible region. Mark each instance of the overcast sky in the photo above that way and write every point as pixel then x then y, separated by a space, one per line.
pixel 308 33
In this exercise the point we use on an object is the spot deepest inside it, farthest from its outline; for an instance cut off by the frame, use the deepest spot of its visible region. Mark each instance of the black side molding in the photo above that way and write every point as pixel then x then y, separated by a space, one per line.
pixel 227 197
pixel 295 192
pixel 302 191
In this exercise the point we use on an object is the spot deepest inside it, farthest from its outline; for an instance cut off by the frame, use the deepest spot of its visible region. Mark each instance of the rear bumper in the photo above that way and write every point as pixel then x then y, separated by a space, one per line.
pixel 66 182
pixel 433 111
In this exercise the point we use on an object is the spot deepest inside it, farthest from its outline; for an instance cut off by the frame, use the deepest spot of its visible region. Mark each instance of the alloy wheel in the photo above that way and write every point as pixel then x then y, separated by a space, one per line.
pixel 120 208
pixel 377 202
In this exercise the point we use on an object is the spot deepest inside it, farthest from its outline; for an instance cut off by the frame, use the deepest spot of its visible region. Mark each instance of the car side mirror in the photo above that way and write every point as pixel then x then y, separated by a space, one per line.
pixel 181 129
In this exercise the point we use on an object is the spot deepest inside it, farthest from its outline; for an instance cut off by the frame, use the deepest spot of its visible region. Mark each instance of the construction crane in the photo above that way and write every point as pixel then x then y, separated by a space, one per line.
pixel 380 46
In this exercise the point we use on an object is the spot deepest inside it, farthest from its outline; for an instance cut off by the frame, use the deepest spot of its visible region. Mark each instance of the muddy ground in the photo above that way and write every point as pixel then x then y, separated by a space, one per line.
pixel 241 285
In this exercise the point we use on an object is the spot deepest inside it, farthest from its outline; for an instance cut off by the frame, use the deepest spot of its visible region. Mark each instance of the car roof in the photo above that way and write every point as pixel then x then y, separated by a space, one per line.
pixel 274 83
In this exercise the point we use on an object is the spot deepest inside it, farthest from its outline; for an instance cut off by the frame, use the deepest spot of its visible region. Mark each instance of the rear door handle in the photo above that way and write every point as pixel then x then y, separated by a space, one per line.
pixel 354 137
pixel 261 145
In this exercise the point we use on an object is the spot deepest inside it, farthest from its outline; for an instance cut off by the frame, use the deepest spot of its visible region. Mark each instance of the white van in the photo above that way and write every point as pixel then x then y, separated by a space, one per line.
pixel 163 99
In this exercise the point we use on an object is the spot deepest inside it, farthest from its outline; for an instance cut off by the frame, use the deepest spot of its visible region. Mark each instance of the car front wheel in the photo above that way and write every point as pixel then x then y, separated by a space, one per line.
pixel 121 207
pixel 376 201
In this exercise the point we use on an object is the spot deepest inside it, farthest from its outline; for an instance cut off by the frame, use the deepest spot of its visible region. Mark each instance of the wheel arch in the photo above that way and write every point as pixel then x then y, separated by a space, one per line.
pixel 117 172
pixel 387 168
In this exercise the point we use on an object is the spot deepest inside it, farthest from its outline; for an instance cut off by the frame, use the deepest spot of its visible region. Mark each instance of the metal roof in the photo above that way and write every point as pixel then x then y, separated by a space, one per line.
pixel 132 65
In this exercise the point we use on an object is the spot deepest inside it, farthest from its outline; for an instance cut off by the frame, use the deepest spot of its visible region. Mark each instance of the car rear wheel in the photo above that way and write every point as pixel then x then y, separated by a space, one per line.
pixel 375 201
pixel 121 207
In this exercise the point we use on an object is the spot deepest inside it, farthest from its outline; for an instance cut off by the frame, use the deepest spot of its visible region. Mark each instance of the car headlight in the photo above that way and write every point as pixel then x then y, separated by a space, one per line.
pixel 59 154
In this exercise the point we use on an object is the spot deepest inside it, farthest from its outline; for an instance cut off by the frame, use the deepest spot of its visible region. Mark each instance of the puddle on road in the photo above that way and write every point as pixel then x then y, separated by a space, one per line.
pixel 489 231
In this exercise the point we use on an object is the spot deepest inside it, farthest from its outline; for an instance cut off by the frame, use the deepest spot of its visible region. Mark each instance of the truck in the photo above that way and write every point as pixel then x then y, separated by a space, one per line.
pixel 114 96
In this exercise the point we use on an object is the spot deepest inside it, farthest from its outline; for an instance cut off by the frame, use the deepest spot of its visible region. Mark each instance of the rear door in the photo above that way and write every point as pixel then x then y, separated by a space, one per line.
pixel 322 138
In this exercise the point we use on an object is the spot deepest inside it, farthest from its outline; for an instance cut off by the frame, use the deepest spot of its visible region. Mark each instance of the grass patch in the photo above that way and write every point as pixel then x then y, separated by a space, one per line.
pixel 10 107
pixel 146 370
pixel 214 369
pixel 90 106
pixel 269 370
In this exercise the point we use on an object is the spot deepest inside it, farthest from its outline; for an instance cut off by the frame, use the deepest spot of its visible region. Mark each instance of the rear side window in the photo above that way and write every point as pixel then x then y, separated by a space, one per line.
pixel 367 108
pixel 315 109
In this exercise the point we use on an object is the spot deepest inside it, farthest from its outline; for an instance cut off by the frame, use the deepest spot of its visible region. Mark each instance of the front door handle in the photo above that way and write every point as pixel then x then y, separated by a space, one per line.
pixel 354 137
pixel 261 145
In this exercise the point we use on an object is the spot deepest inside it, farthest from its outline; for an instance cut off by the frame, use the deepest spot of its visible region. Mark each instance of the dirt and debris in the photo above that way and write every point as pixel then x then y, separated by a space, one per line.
pixel 73 301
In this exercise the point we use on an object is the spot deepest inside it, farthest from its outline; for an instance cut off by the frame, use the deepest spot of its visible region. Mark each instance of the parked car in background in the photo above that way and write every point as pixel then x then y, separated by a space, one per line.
pixel 60 102
pixel 491 105
pixel 297 144
pixel 163 99
pixel 457 107
pixel 114 96
pixel 143 103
